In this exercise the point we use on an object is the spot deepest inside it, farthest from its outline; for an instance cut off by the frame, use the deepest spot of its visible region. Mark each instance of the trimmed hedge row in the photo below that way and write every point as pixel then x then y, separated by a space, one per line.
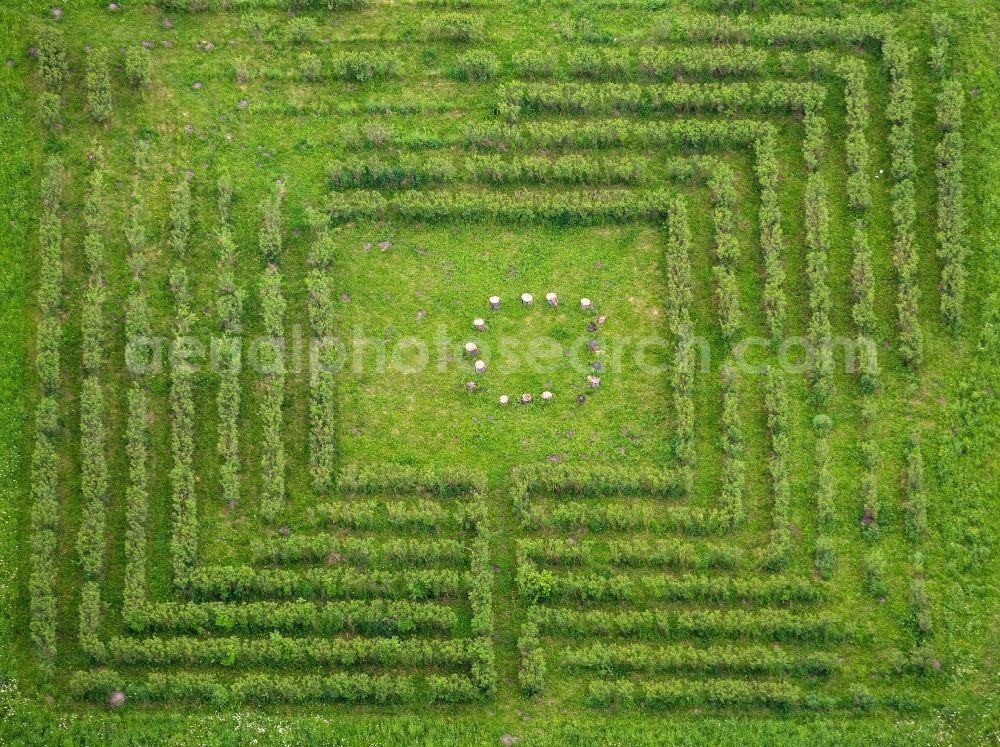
pixel 272 392
pixel 623 658
pixel 45 457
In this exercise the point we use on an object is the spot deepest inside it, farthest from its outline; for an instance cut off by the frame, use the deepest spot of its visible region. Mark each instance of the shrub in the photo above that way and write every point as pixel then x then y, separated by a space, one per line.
pixel 874 572
pixel 301 30
pixel 533 63
pixel 310 67
pixel 50 105
pixel 52 58
pixel 364 66
pixel 476 64
pixel 531 673
pixel 138 66
pixel 454 27
pixel 99 84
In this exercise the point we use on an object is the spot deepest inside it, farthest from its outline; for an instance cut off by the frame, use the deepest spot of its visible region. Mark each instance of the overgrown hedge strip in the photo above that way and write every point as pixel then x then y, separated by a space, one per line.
pixel 94 477
pixel 678 308
pixel 732 444
pixel 592 481
pixel 715 693
pixel 400 478
pixel 272 393
pixel 599 133
pixel 759 624
pixel 379 515
pixel 900 113
pixel 818 260
pixel 722 184
pixel 413 171
pixel 183 502
pixel 594 207
pixel 537 586
pixel 952 238
pixel 630 553
pixel 45 457
pixel 776 553
pixel 623 658
pixel 625 517
pixel 772 239
pixel 322 362
pixel 645 62
pixel 137 329
pixel 229 312
pixel 519 98
pixel 263 689
pixel 278 651
pixel 364 617
pixel 225 583
pixel 361 551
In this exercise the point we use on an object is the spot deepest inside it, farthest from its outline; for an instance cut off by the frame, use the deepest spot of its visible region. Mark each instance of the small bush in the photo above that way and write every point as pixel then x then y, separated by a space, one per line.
pixel 138 66
pixel 99 84
pixel 475 64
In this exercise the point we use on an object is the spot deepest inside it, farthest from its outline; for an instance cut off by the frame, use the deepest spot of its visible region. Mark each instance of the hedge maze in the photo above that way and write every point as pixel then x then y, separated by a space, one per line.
pixel 776 159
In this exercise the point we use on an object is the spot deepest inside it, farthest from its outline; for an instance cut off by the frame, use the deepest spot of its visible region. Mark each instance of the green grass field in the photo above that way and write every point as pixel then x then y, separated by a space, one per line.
pixel 253 491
